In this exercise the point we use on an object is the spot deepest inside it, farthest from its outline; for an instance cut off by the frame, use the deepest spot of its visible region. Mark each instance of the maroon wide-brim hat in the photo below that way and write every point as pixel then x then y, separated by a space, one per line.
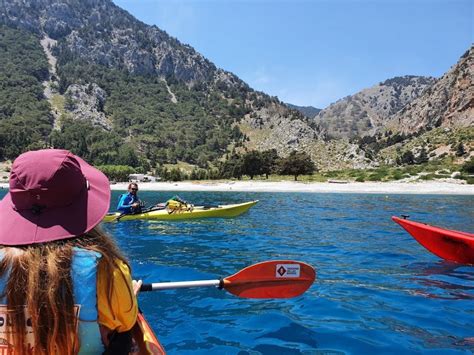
pixel 53 195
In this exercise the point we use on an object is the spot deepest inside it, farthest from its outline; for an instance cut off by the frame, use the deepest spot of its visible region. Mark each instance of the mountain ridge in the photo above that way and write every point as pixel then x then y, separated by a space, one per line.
pixel 368 110
pixel 308 111
pixel 117 41
pixel 126 92
pixel 449 102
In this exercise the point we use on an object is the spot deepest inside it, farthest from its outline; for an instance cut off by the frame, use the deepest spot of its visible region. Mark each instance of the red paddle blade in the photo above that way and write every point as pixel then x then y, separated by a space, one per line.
pixel 271 279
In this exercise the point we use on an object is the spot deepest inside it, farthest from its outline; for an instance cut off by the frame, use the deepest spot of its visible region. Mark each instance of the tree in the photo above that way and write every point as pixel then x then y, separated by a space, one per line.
pixel 297 163
pixel 117 172
pixel 422 157
pixel 176 174
pixel 407 158
pixel 232 167
pixel 198 174
pixel 252 163
pixel 126 156
pixel 269 162
pixel 460 151
pixel 468 166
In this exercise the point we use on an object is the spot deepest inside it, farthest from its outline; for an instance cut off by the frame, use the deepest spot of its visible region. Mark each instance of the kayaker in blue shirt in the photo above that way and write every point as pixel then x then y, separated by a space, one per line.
pixel 130 203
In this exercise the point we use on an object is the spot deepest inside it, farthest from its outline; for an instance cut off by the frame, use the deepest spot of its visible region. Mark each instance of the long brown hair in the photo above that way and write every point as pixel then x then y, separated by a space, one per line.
pixel 40 279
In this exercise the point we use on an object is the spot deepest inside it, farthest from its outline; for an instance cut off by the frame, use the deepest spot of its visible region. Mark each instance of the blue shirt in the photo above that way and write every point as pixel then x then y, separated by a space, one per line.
pixel 125 203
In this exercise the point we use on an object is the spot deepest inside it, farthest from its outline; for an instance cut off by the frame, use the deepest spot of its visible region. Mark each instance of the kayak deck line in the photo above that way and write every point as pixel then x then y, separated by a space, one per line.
pixel 447 244
pixel 221 211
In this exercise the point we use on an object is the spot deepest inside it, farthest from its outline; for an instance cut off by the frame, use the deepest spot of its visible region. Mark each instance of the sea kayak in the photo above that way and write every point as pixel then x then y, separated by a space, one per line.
pixel 447 244
pixel 145 340
pixel 224 211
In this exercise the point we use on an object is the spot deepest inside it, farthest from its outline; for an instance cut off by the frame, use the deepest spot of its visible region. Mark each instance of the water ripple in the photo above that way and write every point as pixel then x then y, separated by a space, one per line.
pixel 377 291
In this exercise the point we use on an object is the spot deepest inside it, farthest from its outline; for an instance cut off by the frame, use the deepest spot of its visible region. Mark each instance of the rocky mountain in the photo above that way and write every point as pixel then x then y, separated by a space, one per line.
pixel 159 95
pixel 449 102
pixel 437 124
pixel 365 112
pixel 308 111
pixel 87 76
pixel 102 33
pixel 86 102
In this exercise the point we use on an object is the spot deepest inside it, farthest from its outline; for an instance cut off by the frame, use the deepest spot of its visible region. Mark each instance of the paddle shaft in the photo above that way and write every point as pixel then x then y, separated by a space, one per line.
pixel 181 284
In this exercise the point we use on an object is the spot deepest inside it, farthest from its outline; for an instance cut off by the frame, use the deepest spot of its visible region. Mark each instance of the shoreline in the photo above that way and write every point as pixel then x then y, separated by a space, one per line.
pixel 421 188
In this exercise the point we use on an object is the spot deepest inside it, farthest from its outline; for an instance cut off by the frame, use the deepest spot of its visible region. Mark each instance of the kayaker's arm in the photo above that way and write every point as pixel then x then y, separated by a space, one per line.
pixel 126 204
pixel 123 203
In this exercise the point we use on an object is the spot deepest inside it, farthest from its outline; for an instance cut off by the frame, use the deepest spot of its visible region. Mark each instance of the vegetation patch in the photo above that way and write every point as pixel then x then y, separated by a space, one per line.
pixel 25 119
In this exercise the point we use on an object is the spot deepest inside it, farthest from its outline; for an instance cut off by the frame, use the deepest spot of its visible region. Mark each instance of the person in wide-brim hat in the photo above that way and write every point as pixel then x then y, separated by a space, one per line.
pixel 72 278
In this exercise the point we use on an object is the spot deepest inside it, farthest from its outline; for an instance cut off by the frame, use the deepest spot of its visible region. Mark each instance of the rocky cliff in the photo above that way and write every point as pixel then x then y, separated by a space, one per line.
pixel 101 32
pixel 367 111
pixel 449 102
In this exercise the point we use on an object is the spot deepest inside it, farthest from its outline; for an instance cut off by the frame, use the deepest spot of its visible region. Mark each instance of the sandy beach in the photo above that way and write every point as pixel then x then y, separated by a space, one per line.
pixel 428 187
pixel 449 187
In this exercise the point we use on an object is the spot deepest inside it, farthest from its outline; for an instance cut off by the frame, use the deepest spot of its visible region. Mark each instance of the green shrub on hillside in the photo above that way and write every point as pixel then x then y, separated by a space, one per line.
pixel 25 119
pixel 396 175
pixel 116 172
pixel 165 131
pixel 427 177
pixel 468 166
pixel 198 128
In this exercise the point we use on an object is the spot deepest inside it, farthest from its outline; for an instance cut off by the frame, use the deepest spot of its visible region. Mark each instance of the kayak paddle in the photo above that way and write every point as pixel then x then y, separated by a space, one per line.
pixel 268 279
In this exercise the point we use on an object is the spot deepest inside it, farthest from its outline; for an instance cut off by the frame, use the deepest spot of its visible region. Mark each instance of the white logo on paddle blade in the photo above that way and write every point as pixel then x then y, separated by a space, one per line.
pixel 287 270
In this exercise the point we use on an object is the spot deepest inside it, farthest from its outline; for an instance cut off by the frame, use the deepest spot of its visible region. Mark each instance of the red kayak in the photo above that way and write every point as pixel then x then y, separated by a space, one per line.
pixel 145 339
pixel 447 244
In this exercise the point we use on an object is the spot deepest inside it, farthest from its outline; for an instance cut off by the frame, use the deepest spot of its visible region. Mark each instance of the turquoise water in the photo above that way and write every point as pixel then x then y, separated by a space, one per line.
pixel 377 290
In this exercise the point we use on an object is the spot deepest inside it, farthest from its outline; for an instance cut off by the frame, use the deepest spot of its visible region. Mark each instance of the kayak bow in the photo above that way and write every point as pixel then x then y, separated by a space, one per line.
pixel 145 339
pixel 224 211
pixel 447 244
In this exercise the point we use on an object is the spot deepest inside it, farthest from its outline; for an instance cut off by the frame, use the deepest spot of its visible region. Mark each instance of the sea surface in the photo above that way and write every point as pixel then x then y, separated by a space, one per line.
pixel 377 290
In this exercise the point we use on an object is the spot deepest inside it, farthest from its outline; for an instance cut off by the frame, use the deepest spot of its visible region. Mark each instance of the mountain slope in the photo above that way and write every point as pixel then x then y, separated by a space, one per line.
pixel 308 111
pixel 160 96
pixel 118 91
pixel 370 109
pixel 25 120
pixel 449 102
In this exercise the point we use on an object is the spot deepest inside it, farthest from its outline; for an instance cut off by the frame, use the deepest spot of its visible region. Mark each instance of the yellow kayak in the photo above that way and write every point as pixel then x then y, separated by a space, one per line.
pixel 192 212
